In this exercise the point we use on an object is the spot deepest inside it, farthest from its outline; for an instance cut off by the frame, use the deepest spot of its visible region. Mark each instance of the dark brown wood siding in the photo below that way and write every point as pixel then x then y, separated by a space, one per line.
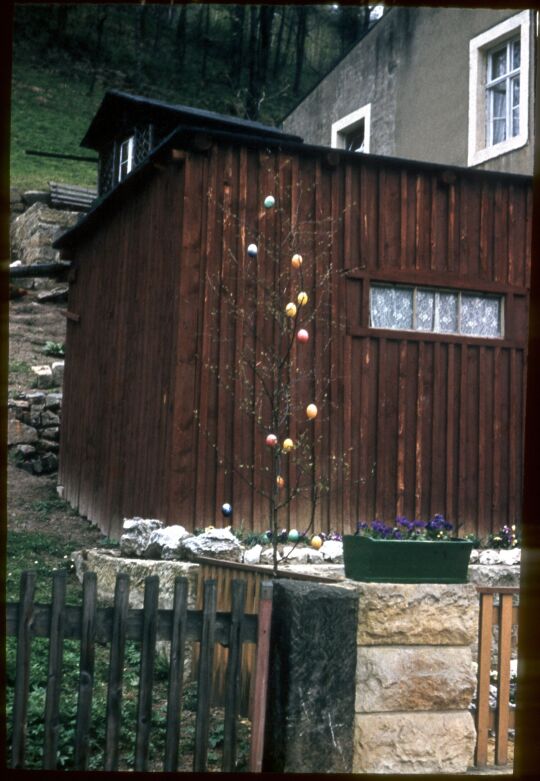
pixel 420 423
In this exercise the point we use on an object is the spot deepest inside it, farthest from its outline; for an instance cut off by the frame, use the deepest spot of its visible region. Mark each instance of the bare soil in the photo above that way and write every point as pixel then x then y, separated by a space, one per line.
pixel 31 498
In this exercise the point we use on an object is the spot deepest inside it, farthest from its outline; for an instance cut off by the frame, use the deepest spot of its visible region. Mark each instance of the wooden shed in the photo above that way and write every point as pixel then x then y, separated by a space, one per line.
pixel 424 323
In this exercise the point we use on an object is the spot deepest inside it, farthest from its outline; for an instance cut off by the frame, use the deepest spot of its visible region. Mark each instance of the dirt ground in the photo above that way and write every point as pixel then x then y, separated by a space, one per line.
pixel 32 500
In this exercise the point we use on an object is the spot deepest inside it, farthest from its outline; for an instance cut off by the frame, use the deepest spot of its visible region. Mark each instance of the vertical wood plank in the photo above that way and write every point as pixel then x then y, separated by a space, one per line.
pixel 503 679
pixel 86 670
pixel 204 686
pixel 54 675
pixel 484 665
pixel 116 670
pixel 232 682
pixel 176 673
pixel 146 674
pixel 22 667
pixel 261 679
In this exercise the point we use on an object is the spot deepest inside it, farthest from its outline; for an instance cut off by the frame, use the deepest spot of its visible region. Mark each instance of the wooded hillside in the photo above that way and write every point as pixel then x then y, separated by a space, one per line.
pixel 252 61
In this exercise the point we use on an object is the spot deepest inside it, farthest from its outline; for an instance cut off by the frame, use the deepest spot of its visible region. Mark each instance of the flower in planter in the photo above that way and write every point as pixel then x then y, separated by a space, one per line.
pixel 438 528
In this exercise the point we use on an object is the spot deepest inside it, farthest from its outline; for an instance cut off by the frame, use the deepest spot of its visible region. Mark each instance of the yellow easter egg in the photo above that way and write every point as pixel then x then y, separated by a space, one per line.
pixel 288 445
pixel 302 298
pixel 290 309
pixel 316 542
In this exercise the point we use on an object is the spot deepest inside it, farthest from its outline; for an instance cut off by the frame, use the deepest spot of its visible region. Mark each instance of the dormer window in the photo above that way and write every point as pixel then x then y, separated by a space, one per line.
pixel 125 157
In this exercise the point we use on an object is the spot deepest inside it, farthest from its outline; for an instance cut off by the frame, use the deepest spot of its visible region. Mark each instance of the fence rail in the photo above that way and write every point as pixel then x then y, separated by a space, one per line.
pixel 504 615
pixel 114 626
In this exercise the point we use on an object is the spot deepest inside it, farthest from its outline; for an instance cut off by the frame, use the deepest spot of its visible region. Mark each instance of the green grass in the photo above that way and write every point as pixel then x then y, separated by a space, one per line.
pixel 50 111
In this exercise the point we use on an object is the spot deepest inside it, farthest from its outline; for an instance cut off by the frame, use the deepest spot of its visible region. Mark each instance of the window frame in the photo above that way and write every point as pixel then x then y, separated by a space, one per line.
pixel 500 298
pixel 480 49
pixel 129 160
pixel 347 124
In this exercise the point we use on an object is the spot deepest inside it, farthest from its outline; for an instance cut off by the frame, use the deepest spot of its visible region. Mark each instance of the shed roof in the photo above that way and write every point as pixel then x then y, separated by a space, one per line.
pixel 185 135
pixel 119 108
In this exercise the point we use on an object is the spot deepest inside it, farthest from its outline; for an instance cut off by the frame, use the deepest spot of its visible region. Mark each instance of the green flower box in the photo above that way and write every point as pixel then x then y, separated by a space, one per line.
pixel 406 561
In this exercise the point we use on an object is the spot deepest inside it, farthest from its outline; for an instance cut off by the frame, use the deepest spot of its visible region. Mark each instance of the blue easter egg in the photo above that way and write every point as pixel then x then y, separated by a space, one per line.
pixel 252 250
pixel 226 509
pixel 294 536
pixel 269 201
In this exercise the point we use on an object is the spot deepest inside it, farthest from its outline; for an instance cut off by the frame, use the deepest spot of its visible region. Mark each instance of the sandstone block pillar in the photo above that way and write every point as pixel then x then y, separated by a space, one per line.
pixel 414 678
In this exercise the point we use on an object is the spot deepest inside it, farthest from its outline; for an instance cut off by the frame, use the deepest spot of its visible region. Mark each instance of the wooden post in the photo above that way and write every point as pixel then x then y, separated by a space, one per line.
pixel 22 667
pixel 54 678
pixel 261 679
pixel 86 670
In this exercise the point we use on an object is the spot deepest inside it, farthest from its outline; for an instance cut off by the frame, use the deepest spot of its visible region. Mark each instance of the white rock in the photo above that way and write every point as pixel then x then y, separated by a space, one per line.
pixel 295 555
pixel 215 543
pixel 332 551
pixel 267 556
pixel 164 543
pixel 474 556
pixel 44 376
pixel 315 556
pixel 512 556
pixel 489 556
pixel 253 555
pixel 134 541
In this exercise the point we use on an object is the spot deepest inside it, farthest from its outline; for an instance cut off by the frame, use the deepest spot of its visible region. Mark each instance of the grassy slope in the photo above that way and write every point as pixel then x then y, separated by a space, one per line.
pixel 51 113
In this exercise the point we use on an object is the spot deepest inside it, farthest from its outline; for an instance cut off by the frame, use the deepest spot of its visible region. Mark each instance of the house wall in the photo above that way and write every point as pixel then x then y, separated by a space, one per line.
pixel 412 423
pixel 413 67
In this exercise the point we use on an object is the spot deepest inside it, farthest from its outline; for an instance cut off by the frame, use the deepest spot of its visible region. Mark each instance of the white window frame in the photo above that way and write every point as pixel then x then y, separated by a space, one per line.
pixel 341 127
pixel 479 48
pixel 125 162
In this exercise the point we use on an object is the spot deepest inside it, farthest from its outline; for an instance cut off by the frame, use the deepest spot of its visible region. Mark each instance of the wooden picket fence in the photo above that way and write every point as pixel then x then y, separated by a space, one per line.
pixel 501 719
pixel 114 626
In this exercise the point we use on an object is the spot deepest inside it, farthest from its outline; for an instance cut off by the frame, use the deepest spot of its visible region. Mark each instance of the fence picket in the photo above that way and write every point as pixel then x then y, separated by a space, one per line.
pixel 22 667
pixel 484 665
pixel 503 679
pixel 86 670
pixel 232 680
pixel 116 668
pixel 176 673
pixel 146 676
pixel 204 686
pixel 54 678
pixel 258 705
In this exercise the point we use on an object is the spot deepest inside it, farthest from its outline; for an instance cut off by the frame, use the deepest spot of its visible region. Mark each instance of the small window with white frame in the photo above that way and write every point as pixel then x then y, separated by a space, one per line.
pixel 353 131
pixel 436 310
pixel 125 157
pixel 499 89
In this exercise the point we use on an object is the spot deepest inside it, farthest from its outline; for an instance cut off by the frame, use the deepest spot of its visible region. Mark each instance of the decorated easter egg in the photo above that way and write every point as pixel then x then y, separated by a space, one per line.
pixel 302 335
pixel 252 250
pixel 290 310
pixel 296 260
pixel 226 509
pixel 271 440
pixel 269 201
pixel 280 482
pixel 316 542
pixel 288 445
pixel 294 535
pixel 311 411
pixel 302 298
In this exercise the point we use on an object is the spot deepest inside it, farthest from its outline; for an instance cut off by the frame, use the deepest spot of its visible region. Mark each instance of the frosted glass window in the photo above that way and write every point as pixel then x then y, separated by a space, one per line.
pixel 392 307
pixel 436 311
pixel 480 316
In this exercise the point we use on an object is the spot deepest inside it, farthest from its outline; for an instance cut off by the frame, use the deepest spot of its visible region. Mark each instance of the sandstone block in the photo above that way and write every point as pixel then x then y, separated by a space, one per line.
pixel 413 678
pixel 417 614
pixel 494 575
pixel 107 565
pixel 414 742
pixel 43 376
pixel 20 434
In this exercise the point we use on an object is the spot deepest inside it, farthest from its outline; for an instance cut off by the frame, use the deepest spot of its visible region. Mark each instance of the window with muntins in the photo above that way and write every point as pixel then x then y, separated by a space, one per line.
pixel 502 92
pixel 125 157
pixel 434 310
